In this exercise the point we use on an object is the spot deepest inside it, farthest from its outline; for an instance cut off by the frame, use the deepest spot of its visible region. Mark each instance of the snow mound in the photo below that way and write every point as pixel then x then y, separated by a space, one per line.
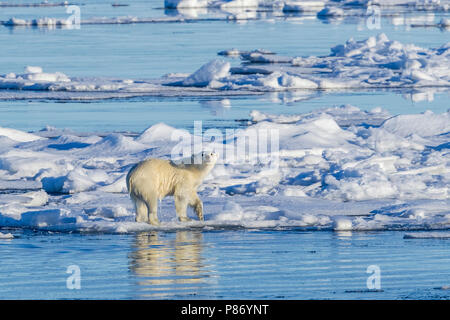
pixel 17 135
pixel 156 133
pixel 213 70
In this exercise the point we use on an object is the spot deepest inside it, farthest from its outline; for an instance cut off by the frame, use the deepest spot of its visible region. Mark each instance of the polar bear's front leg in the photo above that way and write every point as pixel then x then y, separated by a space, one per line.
pixel 181 204
pixel 197 204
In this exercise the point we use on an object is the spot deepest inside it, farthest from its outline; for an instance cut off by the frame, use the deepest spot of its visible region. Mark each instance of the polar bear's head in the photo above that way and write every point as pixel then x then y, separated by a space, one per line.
pixel 204 158
pixel 209 157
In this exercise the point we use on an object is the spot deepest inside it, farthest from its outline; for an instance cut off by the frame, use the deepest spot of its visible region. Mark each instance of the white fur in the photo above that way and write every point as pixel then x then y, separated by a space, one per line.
pixel 153 179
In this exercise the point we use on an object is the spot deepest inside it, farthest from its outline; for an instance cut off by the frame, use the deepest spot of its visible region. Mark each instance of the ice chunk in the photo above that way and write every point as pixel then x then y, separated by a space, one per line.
pixel 209 72
pixel 42 218
pixel 31 69
pixel 427 235
pixel 4 236
pixel 174 4
pixel 425 124
pixel 342 224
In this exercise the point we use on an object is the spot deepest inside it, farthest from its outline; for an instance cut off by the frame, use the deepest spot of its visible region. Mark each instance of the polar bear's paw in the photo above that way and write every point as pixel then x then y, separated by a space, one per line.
pixel 154 221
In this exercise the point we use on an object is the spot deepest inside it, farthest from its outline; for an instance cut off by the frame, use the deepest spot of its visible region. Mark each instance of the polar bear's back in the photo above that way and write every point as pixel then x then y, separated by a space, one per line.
pixel 152 177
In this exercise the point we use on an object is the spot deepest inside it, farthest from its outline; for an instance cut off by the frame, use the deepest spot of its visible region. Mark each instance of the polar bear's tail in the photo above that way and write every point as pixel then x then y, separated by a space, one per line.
pixel 129 180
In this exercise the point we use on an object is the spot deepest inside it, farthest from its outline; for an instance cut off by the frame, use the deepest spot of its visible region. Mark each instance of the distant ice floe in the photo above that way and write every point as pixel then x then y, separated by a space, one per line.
pixel 34 4
pixel 328 11
pixel 443 24
pixel 49 22
pixel 304 5
pixel 428 235
pixel 376 62
pixel 337 168
pixel 40 22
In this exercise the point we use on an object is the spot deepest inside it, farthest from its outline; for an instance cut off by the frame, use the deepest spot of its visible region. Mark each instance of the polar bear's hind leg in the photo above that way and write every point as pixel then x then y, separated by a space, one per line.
pixel 152 204
pixel 141 210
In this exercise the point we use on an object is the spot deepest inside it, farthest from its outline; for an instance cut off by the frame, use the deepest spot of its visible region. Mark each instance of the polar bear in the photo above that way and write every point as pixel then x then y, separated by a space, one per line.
pixel 153 179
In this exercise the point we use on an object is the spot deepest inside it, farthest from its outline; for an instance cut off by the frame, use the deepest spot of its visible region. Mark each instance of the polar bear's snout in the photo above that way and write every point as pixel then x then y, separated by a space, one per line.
pixel 154 179
pixel 209 157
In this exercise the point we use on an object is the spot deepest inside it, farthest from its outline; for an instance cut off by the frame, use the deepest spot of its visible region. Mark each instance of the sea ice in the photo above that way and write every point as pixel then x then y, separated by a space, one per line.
pixel 212 71
pixel 376 62
pixel 338 168
pixel 6 236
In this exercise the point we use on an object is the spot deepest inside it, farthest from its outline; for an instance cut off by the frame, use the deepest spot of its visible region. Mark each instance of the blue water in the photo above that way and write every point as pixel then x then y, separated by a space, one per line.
pixel 137 114
pixel 227 264
pixel 139 51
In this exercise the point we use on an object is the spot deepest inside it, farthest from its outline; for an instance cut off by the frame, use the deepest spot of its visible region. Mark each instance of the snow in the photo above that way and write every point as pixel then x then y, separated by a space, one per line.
pixel 17 135
pixel 212 71
pixel 426 124
pixel 342 224
pixel 173 4
pixel 336 168
pixel 33 79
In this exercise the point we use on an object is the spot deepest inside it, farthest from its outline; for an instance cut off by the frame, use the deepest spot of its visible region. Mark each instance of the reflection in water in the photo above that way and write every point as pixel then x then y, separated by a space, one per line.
pixel 164 265
pixel 371 17
pixel 217 107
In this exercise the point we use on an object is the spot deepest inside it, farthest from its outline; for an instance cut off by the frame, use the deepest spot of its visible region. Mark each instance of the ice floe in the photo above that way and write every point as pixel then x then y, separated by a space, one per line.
pixel 328 11
pixel 7 236
pixel 338 168
pixel 428 235
pixel 214 70
pixel 34 4
pixel 372 63
pixel 304 5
